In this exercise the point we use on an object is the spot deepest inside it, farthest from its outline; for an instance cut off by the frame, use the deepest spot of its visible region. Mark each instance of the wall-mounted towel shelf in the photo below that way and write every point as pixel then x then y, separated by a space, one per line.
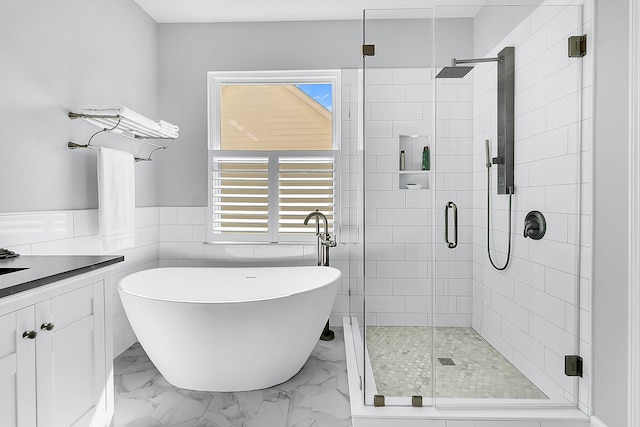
pixel 125 122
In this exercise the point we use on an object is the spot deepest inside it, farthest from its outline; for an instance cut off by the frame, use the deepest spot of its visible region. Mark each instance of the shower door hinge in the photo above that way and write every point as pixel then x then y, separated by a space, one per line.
pixel 378 400
pixel 416 401
pixel 360 382
pixel 577 46
pixel 368 50
pixel 573 366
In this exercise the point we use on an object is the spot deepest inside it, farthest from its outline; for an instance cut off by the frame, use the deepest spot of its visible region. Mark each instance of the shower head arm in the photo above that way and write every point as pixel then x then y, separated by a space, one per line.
pixel 455 61
pixel 456 72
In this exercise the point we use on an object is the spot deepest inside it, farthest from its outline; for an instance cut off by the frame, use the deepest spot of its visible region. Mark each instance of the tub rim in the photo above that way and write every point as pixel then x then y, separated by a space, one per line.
pixel 337 273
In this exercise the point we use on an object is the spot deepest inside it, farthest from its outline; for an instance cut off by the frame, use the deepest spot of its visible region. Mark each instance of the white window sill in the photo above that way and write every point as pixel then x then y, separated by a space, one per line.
pixel 220 242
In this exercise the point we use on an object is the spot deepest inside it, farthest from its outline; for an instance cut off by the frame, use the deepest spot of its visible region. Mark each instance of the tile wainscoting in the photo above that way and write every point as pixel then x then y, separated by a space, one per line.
pixel 165 236
pixel 76 233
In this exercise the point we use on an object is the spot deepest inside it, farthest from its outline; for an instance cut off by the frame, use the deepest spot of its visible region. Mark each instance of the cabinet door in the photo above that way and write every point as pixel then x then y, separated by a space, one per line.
pixel 70 357
pixel 17 369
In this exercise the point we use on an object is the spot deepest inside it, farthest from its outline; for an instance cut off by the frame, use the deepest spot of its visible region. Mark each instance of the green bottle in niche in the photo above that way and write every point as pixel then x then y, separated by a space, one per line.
pixel 425 159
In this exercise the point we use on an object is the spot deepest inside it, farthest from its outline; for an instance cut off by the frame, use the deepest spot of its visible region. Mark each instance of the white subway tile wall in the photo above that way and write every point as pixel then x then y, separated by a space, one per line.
pixel 398 221
pixel 528 311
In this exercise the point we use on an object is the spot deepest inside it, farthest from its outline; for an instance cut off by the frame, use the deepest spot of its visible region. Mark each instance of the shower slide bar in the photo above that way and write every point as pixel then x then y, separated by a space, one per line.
pixel 451 245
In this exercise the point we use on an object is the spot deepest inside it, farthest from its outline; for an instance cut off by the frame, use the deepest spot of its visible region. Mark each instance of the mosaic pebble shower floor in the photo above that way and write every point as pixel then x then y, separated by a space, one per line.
pixel 401 361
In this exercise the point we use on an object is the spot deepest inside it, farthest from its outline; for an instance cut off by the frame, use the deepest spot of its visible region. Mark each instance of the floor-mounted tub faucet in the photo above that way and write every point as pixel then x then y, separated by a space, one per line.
pixel 324 243
pixel 325 240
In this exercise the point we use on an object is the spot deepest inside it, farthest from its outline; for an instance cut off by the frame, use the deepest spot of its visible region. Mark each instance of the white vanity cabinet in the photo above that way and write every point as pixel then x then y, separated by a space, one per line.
pixel 17 369
pixel 55 361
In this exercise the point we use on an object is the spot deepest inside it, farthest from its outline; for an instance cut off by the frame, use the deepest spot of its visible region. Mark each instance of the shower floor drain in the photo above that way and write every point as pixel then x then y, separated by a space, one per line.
pixel 446 361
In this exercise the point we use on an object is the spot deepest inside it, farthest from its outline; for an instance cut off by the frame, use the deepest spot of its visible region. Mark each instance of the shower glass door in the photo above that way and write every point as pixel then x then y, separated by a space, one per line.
pixel 397 118
pixel 475 223
pixel 507 143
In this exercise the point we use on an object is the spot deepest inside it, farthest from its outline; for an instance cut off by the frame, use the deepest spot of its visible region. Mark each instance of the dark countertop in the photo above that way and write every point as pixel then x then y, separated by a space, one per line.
pixel 44 269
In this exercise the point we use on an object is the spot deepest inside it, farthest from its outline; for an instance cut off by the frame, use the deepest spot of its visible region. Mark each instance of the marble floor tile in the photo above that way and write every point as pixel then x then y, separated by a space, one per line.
pixel 315 397
pixel 318 395
pixel 145 422
pixel 198 422
pixel 230 409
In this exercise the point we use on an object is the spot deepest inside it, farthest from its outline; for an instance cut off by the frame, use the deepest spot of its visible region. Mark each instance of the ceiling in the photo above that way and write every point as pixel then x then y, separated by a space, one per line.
pixel 167 11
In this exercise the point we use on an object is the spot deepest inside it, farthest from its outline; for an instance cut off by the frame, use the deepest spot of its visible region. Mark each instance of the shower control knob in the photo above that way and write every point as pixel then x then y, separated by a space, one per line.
pixel 47 326
pixel 535 226
pixel 29 335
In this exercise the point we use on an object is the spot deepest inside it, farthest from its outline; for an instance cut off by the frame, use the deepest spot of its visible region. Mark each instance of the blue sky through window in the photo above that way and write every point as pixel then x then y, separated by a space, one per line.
pixel 321 92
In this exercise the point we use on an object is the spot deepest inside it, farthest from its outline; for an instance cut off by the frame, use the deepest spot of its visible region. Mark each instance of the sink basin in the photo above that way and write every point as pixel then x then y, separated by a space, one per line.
pixel 10 270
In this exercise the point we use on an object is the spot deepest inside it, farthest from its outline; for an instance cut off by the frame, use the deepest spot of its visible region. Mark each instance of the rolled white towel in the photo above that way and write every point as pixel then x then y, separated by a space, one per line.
pixel 121 110
pixel 168 126
pixel 169 134
pixel 168 129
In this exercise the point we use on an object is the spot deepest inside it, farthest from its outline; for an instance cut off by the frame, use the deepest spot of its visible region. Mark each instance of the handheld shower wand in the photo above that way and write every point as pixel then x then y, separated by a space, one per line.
pixel 487 151
pixel 487 146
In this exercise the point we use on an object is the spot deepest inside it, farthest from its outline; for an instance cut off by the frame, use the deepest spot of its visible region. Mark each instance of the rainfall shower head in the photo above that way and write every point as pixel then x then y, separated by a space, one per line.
pixel 453 72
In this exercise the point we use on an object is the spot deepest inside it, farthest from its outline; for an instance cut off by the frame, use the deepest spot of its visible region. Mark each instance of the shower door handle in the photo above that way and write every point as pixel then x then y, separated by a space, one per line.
pixel 454 243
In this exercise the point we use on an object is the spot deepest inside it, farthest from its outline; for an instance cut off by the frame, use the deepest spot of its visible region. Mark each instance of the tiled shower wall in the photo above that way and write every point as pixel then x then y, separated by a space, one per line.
pixel 528 312
pixel 453 182
pixel 399 102
pixel 76 233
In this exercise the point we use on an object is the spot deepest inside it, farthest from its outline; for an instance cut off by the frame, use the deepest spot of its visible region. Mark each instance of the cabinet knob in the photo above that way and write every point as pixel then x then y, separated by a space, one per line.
pixel 47 326
pixel 29 335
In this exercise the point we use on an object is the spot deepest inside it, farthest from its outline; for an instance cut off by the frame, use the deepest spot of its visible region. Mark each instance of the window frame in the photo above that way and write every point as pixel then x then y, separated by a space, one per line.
pixel 215 80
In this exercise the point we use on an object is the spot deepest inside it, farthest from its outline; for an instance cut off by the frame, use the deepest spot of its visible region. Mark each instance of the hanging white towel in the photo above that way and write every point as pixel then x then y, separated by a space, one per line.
pixel 116 200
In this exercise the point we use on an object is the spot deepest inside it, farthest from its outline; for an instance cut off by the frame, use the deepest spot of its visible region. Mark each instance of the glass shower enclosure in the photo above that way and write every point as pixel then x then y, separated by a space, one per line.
pixel 471 207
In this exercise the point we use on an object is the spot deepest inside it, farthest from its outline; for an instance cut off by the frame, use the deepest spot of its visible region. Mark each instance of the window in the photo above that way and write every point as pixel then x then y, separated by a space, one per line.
pixel 273 154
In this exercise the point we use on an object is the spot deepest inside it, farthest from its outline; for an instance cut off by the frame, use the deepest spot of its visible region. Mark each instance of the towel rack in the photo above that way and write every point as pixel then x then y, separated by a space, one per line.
pixel 133 126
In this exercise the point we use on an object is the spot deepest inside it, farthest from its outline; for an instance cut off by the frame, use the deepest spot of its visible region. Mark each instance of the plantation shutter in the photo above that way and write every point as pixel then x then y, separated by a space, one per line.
pixel 261 197
pixel 304 185
pixel 241 195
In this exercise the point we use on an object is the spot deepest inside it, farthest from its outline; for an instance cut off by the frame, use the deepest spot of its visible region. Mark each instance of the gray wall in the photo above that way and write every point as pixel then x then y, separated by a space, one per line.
pixel 610 285
pixel 56 56
pixel 188 51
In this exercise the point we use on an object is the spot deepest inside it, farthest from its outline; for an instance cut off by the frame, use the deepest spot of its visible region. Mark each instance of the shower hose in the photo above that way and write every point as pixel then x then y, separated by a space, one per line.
pixel 488 222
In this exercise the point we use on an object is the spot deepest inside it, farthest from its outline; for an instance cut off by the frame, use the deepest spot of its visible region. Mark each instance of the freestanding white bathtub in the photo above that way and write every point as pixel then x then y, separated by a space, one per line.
pixel 229 329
